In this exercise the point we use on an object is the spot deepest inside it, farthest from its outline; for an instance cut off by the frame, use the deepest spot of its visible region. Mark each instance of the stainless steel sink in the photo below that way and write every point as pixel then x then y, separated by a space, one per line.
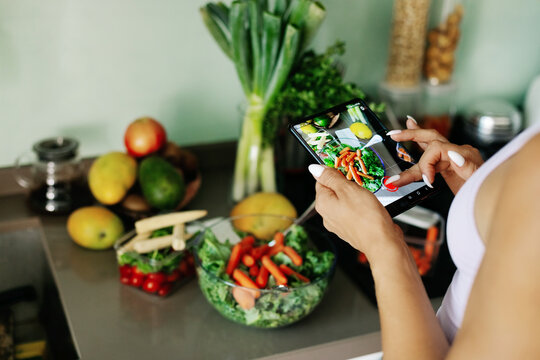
pixel 23 263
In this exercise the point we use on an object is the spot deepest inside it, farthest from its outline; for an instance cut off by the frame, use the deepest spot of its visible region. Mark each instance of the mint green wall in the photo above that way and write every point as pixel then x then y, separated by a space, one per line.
pixel 87 68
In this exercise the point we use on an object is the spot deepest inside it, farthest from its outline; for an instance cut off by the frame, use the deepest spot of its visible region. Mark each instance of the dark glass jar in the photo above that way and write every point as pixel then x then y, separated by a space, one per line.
pixel 55 177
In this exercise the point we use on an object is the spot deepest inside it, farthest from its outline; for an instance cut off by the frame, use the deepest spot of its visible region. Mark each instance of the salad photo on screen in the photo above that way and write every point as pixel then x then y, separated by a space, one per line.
pixel 348 141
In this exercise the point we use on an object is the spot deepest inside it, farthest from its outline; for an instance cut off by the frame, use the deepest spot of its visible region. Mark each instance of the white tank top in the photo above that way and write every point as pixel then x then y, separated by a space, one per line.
pixel 464 242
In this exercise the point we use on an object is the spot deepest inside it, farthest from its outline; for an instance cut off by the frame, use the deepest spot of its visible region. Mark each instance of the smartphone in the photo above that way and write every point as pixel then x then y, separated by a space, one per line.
pixel 351 138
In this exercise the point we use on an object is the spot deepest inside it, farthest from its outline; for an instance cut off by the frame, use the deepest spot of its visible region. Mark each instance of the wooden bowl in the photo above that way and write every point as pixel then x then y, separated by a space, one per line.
pixel 192 188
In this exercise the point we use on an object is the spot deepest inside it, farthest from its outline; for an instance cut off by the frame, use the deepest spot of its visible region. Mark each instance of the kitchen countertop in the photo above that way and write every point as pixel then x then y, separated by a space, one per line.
pixel 110 320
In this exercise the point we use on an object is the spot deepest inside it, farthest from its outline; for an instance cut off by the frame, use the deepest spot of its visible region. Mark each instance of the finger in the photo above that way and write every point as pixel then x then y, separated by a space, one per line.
pixel 430 158
pixel 416 135
pixel 441 156
pixel 406 177
pixel 329 178
pixel 464 160
pixel 411 123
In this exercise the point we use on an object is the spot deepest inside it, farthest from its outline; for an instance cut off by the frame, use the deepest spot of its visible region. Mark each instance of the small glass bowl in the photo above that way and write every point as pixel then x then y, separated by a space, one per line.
pixel 154 276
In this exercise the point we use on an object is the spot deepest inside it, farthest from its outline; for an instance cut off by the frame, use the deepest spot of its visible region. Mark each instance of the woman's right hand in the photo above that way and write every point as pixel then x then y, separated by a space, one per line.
pixel 456 163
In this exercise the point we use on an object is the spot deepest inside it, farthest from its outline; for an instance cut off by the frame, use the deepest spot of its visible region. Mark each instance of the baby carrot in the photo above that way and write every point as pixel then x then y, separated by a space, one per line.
pixel 259 251
pixel 341 158
pixel 350 157
pixel 347 149
pixel 248 260
pixel 432 233
pixel 287 270
pixel 355 175
pixel 276 249
pixel 362 165
pixel 293 255
pixel 431 238
pixel 279 238
pixel 234 259
pixel 244 280
pixel 262 277
pixel 248 240
pixel 274 270
pixel 424 266
pixel 364 175
pixel 349 175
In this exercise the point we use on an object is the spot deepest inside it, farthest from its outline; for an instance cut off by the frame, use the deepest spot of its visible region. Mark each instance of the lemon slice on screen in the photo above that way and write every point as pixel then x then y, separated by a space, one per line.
pixel 308 129
pixel 361 130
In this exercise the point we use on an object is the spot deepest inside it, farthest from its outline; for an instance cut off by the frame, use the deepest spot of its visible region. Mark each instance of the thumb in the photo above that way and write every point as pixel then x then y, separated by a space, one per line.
pixel 328 177
pixel 464 169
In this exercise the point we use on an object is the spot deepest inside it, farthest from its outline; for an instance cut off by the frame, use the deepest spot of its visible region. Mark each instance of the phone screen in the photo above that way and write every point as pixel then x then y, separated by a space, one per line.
pixel 351 138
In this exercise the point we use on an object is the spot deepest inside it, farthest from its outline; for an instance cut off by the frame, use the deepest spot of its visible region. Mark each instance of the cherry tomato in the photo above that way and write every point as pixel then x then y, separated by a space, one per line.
pixel 174 276
pixel 150 286
pixel 183 267
pixel 136 271
pixel 125 270
pixel 126 280
pixel 136 280
pixel 158 277
pixel 165 290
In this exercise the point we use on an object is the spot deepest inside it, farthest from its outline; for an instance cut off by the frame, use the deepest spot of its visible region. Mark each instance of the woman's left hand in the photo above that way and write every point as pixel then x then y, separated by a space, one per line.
pixel 352 212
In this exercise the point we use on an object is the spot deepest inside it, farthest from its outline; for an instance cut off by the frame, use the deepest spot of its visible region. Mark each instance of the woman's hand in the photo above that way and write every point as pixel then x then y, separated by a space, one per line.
pixel 455 163
pixel 352 212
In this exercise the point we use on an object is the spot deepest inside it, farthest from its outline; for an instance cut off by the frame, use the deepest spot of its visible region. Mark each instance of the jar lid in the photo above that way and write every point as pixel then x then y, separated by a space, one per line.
pixel 493 120
pixel 56 149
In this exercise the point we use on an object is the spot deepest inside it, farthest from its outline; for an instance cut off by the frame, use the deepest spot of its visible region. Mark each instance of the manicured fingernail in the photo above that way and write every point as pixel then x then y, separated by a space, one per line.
pixel 456 158
pixel 411 118
pixel 316 170
pixel 393 132
pixel 426 180
pixel 391 179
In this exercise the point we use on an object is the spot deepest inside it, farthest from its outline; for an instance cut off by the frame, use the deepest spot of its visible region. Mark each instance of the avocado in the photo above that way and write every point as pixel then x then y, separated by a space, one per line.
pixel 161 183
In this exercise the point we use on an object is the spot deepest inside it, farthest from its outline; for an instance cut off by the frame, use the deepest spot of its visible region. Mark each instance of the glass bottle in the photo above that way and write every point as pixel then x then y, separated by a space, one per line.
pixel 443 39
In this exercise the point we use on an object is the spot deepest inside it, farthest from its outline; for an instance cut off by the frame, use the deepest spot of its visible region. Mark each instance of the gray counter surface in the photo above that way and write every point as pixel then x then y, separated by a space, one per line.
pixel 111 321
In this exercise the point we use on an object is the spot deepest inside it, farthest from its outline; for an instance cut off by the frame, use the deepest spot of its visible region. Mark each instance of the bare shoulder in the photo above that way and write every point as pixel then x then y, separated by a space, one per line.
pixel 525 164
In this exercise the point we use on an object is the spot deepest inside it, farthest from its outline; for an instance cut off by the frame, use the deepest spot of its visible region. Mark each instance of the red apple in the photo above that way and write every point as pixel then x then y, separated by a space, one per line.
pixel 144 136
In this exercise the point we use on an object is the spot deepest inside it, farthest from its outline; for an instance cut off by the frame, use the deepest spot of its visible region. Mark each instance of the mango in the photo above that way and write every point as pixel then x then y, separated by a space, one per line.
pixel 94 227
pixel 263 227
pixel 111 176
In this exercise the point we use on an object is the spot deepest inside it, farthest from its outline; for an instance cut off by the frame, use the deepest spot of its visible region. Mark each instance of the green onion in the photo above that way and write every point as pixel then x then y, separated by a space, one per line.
pixel 264 39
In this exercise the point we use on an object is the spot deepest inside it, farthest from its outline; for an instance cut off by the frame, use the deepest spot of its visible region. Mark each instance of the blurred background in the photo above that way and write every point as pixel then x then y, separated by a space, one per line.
pixel 86 69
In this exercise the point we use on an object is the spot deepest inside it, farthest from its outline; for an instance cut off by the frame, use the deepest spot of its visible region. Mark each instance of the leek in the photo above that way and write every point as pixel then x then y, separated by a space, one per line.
pixel 264 39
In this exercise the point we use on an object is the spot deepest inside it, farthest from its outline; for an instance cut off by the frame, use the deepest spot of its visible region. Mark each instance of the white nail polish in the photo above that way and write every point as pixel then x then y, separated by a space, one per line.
pixel 393 132
pixel 456 158
pixel 316 170
pixel 426 180
pixel 411 118
pixel 391 179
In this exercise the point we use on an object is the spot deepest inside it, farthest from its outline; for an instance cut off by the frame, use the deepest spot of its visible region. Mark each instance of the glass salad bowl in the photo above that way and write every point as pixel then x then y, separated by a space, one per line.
pixel 263 271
